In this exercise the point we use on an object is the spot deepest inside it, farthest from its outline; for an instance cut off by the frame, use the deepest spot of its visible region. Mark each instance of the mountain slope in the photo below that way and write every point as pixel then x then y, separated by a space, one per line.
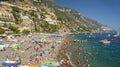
pixel 47 17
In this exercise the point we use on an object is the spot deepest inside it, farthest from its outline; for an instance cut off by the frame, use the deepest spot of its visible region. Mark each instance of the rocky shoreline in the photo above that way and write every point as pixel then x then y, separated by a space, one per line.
pixel 66 52
pixel 64 55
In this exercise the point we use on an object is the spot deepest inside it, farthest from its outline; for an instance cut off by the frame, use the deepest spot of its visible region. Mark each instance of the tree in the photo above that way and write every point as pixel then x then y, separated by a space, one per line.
pixel 17 31
pixel 49 28
pixel 16 15
pixel 2 31
pixel 25 31
pixel 14 29
pixel 35 19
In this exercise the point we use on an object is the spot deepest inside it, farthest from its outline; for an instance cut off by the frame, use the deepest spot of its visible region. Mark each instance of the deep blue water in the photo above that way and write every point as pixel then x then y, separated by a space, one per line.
pixel 96 53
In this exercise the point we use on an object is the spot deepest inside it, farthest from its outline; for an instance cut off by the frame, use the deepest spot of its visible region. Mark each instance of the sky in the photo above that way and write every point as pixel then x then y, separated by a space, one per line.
pixel 104 11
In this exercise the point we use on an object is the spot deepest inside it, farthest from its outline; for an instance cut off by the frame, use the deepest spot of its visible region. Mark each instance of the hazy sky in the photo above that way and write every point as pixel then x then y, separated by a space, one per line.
pixel 105 11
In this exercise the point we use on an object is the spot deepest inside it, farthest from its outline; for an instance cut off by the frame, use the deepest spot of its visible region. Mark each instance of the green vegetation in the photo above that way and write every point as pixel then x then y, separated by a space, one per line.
pixel 25 31
pixel 67 19
pixel 49 28
pixel 11 1
pixel 35 19
pixel 16 9
pixel 14 29
pixel 2 31
pixel 16 15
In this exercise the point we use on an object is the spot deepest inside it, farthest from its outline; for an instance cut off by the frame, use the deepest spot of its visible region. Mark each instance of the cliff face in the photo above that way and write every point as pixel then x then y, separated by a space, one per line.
pixel 45 16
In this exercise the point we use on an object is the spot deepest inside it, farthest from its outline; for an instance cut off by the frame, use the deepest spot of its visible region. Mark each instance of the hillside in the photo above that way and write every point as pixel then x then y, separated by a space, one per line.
pixel 45 16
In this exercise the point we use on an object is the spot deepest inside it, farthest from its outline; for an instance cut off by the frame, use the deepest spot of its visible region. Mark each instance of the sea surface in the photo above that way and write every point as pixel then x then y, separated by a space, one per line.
pixel 93 53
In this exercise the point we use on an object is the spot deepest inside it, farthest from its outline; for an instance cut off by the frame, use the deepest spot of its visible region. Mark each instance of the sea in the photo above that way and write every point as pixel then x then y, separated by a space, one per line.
pixel 93 53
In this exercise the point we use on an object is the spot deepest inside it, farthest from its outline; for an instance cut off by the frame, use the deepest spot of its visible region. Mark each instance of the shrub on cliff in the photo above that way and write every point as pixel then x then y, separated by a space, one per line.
pixel 14 29
pixel 2 31
pixel 25 31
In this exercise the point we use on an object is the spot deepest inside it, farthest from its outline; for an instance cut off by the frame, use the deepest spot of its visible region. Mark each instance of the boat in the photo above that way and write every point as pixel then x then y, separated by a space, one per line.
pixel 105 41
pixel 114 38
pixel 117 34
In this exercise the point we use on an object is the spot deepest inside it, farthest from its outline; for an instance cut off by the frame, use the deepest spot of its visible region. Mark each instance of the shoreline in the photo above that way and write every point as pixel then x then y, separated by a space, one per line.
pixel 66 54
pixel 59 51
pixel 73 65
pixel 63 52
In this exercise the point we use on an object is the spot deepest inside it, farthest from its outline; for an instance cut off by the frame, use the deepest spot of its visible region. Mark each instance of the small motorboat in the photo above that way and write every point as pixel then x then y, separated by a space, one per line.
pixel 105 41
pixel 114 39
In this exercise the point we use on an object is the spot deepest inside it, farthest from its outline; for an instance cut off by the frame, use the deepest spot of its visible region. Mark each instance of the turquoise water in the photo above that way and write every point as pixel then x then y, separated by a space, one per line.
pixel 95 53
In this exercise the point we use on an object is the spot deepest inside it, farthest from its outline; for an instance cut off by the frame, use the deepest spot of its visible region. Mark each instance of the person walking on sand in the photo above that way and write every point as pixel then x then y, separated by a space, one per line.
pixel 7 58
pixel 18 60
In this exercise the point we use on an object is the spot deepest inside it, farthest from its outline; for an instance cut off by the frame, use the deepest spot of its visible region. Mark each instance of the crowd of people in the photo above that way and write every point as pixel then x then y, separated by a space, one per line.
pixel 35 49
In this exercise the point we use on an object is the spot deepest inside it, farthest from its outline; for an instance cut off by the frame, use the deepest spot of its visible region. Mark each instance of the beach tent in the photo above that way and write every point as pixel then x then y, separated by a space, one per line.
pixel 15 47
pixel 28 66
pixel 50 64
pixel 23 66
pixel 47 63
pixel 43 66
pixel 33 66
pixel 9 64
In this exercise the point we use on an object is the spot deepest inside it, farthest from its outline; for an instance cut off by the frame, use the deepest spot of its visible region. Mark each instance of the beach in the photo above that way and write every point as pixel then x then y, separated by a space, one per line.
pixel 35 49
pixel 64 54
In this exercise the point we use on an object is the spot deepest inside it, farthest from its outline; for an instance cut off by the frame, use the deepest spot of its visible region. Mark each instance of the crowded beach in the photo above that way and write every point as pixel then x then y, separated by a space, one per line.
pixel 33 50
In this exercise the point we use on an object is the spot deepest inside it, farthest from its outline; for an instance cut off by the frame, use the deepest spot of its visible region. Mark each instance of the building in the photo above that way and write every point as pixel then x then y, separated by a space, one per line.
pixel 50 20
pixel 37 0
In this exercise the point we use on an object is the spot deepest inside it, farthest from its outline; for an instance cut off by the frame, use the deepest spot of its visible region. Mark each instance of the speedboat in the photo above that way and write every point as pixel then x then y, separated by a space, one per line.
pixel 105 41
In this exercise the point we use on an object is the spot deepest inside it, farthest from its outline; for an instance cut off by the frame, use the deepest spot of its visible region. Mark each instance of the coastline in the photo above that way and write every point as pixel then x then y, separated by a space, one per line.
pixel 63 54
pixel 66 53
pixel 57 54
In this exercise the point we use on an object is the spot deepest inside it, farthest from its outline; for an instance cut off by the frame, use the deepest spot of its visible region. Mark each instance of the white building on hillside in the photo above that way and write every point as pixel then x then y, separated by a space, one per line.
pixel 50 20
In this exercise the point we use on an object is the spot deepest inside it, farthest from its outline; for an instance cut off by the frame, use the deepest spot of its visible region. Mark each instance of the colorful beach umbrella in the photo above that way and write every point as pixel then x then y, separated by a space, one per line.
pixel 33 66
pixel 47 63
pixel 15 47
pixel 51 64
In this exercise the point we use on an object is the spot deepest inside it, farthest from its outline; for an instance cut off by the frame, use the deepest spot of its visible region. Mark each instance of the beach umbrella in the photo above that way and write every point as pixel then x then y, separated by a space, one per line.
pixel 51 64
pixel 15 47
pixel 33 66
pixel 47 63
pixel 43 66
pixel 23 66
pixel 9 64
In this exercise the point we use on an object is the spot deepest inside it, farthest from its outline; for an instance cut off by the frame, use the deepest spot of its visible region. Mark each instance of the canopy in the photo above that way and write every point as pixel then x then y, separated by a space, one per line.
pixel 33 66
pixel 23 66
pixel 9 64
pixel 15 47
pixel 43 66
pixel 47 63
pixel 51 64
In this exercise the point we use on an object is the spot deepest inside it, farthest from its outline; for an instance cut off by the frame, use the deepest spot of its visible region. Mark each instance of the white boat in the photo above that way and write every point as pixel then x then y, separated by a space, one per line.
pixel 105 41
pixel 116 35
